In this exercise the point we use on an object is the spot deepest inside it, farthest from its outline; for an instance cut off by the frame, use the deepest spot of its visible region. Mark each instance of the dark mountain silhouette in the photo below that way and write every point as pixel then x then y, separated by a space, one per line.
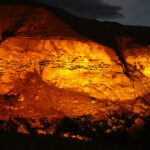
pixel 103 32
pixel 18 2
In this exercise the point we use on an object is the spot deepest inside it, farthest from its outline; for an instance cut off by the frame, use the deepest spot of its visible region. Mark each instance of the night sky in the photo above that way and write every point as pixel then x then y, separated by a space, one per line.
pixel 131 12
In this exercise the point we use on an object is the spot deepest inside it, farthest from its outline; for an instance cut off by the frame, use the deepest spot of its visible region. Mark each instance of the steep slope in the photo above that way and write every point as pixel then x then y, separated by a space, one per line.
pixel 53 66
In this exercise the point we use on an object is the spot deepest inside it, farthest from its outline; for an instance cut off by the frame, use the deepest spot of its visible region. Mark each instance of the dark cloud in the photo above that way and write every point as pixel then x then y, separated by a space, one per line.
pixel 87 8
pixel 136 12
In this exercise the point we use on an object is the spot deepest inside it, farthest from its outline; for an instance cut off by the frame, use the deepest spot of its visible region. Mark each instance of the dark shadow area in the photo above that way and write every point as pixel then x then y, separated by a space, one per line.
pixel 7 34
pixel 17 2
pixel 82 125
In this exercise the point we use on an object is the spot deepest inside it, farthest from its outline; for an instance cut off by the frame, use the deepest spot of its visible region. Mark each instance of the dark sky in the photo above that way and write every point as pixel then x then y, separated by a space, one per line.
pixel 131 12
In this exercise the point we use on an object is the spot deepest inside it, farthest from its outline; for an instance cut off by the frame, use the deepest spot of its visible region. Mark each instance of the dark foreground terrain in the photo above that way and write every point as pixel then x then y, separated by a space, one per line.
pixel 119 139
pixel 29 142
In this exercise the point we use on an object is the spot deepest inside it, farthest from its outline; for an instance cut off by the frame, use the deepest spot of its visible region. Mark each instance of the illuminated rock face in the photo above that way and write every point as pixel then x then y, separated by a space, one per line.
pixel 49 70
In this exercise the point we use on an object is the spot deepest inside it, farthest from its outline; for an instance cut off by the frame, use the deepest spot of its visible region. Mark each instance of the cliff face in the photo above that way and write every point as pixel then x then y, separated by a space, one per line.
pixel 49 69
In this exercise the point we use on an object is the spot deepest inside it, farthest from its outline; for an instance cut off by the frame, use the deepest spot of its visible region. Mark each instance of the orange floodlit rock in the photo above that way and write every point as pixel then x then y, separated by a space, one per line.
pixel 50 70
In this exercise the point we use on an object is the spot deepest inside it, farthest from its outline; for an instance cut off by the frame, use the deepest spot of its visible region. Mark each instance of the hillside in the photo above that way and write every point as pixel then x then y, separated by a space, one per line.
pixel 54 65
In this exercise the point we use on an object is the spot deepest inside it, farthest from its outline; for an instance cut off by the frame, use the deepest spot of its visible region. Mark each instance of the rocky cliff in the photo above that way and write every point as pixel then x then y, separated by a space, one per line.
pixel 55 65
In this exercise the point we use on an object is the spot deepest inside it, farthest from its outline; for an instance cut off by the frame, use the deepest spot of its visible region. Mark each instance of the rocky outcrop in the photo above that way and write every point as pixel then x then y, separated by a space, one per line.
pixel 47 69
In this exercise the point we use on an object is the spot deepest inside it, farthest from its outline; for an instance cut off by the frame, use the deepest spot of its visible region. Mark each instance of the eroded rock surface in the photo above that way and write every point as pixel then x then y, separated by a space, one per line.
pixel 49 70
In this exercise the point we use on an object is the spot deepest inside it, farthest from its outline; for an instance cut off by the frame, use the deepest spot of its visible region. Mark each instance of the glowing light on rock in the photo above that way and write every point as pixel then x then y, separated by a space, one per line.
pixel 147 71
pixel 66 74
